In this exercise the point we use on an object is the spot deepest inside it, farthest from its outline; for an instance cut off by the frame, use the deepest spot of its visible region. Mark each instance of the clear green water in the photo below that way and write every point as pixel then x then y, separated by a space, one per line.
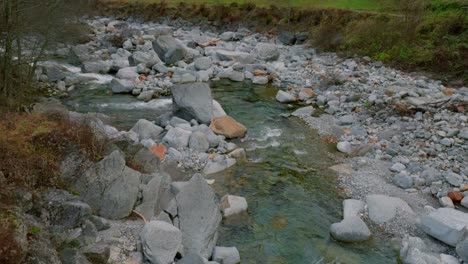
pixel 293 198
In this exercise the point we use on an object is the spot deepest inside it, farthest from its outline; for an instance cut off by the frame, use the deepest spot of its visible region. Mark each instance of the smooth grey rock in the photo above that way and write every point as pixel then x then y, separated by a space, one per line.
pixel 109 187
pixel 266 51
pixel 446 202
pixel 285 97
pixel 303 111
pixel 148 58
pixel 231 205
pixel 464 202
pixel 346 120
pixel 198 142
pixel 397 167
pixel 199 216
pixel 146 96
pixel 226 255
pixel 169 49
pixel 446 224
pixel 453 178
pixel 146 130
pixel 403 180
pixel 161 242
pixel 462 250
pixel 129 73
pixel 193 101
pixel 431 175
pixel 177 138
pixel 344 147
pixel 232 75
pixel 121 86
pixel 383 208
pixel 351 229
pixel 216 166
pixel 202 63
pixel 218 109
pixel 146 161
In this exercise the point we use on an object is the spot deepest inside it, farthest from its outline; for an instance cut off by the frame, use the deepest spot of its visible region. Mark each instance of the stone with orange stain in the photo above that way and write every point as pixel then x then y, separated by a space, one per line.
pixel 142 77
pixel 159 150
pixel 464 187
pixel 448 91
pixel 228 127
pixel 259 72
pixel 306 93
pixel 456 196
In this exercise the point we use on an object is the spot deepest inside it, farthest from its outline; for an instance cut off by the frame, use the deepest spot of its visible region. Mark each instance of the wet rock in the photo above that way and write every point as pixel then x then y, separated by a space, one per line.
pixel 193 101
pixel 226 255
pixel 177 138
pixel 198 142
pixel 169 49
pixel 383 208
pixel 351 229
pixel 446 224
pixel 121 86
pixel 161 242
pixel 146 130
pixel 199 216
pixel 265 51
pixel 285 97
pixel 231 205
pixel 109 187
pixel 228 127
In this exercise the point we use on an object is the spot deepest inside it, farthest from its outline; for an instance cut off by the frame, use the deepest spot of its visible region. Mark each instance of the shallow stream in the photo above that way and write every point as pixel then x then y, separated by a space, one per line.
pixel 293 198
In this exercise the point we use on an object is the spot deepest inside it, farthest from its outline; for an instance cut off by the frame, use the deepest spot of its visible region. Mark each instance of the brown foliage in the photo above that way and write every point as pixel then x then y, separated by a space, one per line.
pixel 33 145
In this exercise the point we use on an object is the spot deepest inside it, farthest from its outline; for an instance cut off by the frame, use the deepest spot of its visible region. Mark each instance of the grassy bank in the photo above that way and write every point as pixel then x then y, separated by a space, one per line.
pixel 421 35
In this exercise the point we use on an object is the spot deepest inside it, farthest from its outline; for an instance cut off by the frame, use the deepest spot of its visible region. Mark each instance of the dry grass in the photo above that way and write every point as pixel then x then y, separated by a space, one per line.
pixel 32 146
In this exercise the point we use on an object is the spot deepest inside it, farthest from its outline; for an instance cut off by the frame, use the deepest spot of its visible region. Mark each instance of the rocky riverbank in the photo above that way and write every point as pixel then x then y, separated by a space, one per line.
pixel 403 140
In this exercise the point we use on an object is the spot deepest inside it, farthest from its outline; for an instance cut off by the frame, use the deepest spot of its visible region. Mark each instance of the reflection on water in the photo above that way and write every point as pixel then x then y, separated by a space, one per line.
pixel 293 198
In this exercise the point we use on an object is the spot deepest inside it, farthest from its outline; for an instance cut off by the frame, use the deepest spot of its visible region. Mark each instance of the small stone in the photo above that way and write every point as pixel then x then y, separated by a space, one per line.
pixel 285 97
pixel 454 179
pixel 446 202
pixel 226 255
pixel 397 167
pixel 344 147
pixel 403 180
pixel 456 196
pixel 231 205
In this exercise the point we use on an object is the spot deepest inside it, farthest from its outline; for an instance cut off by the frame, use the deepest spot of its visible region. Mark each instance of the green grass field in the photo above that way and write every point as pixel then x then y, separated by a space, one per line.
pixel 352 4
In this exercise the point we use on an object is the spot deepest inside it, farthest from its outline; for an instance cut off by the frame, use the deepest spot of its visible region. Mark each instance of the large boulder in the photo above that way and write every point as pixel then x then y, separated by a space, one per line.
pixel 169 49
pixel 383 208
pixel 446 224
pixel 146 130
pixel 351 229
pixel 148 58
pixel 266 51
pixel 156 195
pixel 110 187
pixel 199 216
pixel 228 127
pixel 177 138
pixel 161 241
pixel 193 101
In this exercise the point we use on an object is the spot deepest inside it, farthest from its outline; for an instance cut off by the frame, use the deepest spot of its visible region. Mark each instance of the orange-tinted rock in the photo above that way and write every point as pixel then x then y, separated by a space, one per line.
pixel 259 73
pixel 464 187
pixel 159 150
pixel 456 196
pixel 228 127
pixel 142 77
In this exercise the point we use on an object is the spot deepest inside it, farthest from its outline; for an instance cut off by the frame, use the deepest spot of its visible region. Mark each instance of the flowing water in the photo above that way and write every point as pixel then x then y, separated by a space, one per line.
pixel 293 198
